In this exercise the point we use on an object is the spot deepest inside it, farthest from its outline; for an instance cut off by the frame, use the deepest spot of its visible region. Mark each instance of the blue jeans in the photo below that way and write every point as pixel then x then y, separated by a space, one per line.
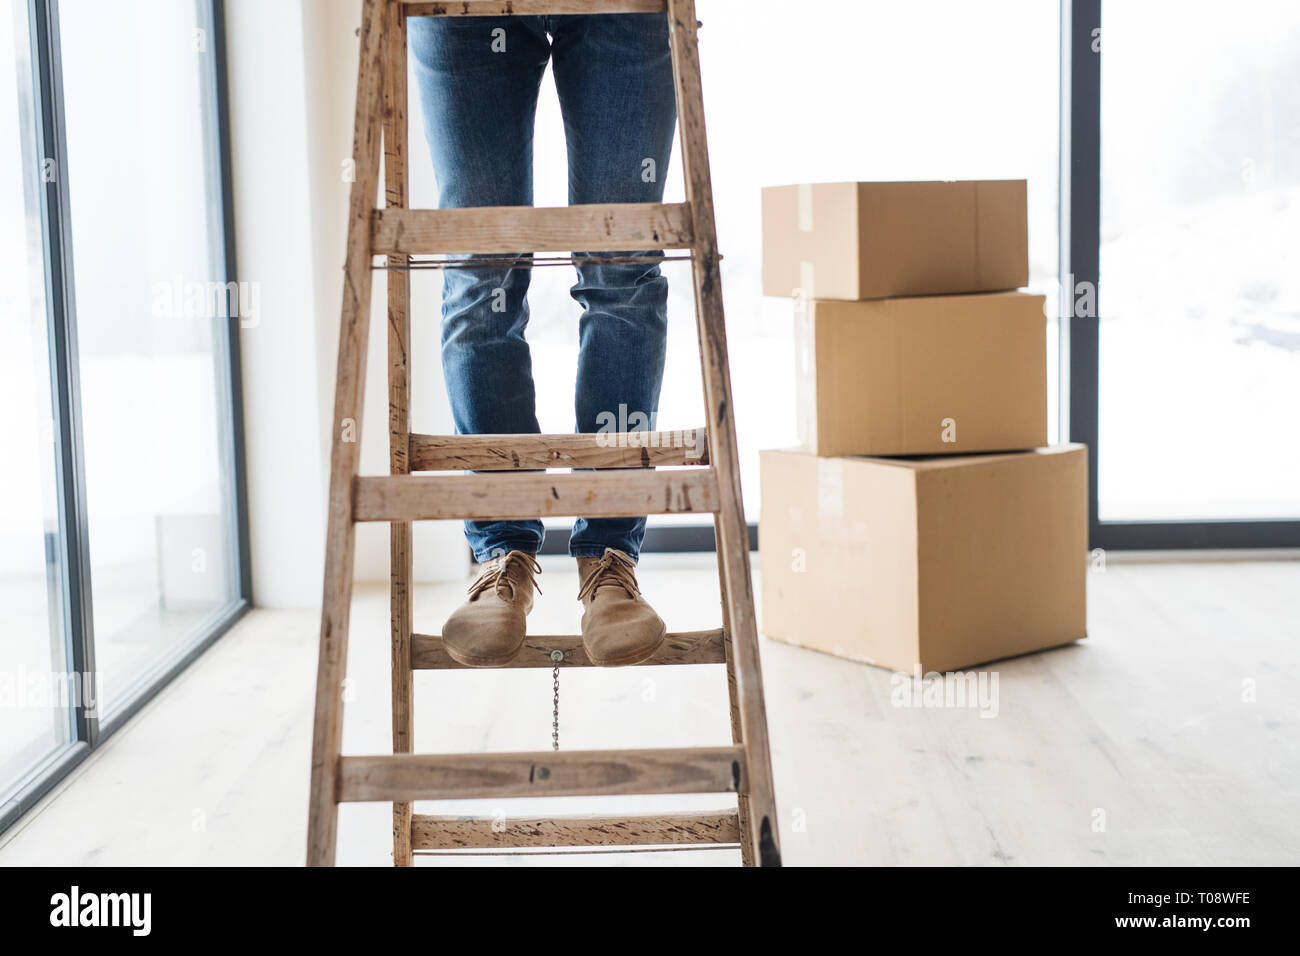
pixel 478 79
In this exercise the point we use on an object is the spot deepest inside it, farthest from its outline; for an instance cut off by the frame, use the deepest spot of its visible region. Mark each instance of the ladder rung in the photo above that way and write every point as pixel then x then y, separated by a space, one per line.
pixel 685 647
pixel 534 495
pixel 534 8
pixel 689 446
pixel 430 832
pixel 574 773
pixel 610 227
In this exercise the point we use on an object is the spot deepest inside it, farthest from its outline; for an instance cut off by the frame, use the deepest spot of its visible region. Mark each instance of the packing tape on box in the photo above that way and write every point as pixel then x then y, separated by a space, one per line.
pixel 805 392
pixel 830 490
pixel 806 281
pixel 804 192
pixel 803 337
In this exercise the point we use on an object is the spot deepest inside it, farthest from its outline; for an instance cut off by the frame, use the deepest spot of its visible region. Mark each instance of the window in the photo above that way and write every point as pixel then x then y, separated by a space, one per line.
pixel 1182 179
pixel 120 518
pixel 32 645
pixel 1200 261
pixel 146 243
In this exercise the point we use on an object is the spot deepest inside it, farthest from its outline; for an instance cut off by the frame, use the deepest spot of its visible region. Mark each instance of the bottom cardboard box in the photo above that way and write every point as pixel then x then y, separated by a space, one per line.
pixel 935 563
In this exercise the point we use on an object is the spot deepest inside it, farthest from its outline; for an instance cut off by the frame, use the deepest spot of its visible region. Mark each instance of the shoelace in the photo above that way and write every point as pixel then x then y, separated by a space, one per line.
pixel 498 576
pixel 614 568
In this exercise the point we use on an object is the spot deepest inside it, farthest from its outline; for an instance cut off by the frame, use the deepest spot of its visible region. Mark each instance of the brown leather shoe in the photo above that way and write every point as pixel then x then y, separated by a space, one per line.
pixel 618 626
pixel 488 629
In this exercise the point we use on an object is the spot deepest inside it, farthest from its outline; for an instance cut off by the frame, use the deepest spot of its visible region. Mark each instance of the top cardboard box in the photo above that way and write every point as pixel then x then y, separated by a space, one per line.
pixel 876 240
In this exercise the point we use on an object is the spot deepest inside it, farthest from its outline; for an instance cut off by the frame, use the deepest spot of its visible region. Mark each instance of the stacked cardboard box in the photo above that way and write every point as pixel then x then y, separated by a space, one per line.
pixel 922 525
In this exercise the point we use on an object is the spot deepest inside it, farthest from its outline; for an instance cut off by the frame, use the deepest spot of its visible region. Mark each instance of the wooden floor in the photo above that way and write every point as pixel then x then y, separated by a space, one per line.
pixel 1171 736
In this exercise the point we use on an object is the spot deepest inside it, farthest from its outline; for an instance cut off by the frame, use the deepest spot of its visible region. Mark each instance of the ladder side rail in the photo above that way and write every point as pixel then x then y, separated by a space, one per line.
pixel 732 533
pixel 396 195
pixel 345 430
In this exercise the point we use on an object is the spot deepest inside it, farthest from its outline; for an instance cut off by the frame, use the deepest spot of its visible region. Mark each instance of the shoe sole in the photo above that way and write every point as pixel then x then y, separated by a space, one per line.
pixel 628 659
pixel 467 661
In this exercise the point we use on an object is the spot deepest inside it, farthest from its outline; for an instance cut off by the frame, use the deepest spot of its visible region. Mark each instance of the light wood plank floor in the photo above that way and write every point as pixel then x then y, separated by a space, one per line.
pixel 1171 736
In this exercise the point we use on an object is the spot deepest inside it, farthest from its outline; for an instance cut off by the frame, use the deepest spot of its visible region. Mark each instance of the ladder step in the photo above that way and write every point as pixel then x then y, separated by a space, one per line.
pixel 531 8
pixel 429 832
pixel 688 446
pixel 580 494
pixel 608 227
pixel 575 773
pixel 685 647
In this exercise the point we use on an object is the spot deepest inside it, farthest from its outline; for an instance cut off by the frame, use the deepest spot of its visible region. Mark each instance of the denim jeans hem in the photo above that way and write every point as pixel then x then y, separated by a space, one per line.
pixel 482 555
pixel 597 551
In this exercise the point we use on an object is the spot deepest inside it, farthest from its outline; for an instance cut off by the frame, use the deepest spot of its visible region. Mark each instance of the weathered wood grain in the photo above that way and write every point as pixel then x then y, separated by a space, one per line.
pixel 609 227
pixel 541 774
pixel 585 494
pixel 687 446
pixel 758 814
pixel 430 832
pixel 685 647
pixel 345 431
pixel 399 406
pixel 519 8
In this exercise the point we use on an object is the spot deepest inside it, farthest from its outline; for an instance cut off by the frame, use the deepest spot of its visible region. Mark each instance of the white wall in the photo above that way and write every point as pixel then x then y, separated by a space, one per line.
pixel 291 69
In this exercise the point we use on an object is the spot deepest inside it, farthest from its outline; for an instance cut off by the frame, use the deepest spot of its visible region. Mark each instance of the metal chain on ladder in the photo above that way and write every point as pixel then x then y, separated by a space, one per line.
pixel 557 655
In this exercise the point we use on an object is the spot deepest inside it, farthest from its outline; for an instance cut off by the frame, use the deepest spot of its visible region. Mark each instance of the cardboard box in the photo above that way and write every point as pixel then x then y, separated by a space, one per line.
pixel 926 375
pixel 872 240
pixel 936 563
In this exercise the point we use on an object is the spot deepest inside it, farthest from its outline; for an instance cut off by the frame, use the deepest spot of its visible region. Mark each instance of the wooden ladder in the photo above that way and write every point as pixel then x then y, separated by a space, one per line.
pixel 712 485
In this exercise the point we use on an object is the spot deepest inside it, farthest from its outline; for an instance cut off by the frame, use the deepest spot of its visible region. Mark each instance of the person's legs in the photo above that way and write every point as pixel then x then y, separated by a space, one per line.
pixel 478 79
pixel 613 73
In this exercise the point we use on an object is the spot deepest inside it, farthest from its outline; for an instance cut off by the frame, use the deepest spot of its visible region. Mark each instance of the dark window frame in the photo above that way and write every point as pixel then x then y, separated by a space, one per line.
pixel 88 729
pixel 1080 218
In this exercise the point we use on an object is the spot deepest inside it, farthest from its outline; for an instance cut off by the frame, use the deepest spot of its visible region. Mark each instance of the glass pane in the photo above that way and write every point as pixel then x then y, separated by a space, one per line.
pixel 1200 260
pixel 35 688
pixel 150 318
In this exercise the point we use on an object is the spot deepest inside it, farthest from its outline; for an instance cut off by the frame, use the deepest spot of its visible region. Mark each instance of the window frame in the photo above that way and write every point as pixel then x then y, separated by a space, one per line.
pixel 88 729
pixel 1080 205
